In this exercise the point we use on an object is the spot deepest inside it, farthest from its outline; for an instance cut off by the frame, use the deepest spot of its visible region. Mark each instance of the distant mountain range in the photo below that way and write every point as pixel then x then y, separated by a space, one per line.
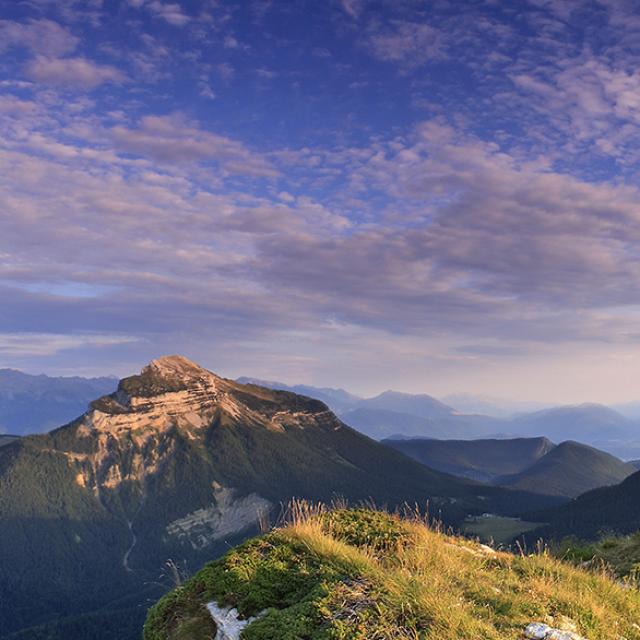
pixel 338 399
pixel 529 464
pixel 392 414
pixel 178 463
pixel 33 404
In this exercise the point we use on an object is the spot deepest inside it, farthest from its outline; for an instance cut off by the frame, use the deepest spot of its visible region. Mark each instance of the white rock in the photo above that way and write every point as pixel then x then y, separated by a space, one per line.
pixel 227 621
pixel 557 634
pixel 537 631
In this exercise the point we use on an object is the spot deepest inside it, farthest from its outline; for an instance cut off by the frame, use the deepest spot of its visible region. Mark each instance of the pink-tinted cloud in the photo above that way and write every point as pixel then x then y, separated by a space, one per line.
pixel 72 72
pixel 172 139
pixel 39 36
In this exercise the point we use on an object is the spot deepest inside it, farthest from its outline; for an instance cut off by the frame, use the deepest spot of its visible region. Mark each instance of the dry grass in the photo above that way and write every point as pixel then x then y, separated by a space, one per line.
pixel 385 576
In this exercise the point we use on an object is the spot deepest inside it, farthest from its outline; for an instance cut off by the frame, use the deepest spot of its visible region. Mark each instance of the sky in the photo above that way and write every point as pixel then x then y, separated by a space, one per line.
pixel 433 196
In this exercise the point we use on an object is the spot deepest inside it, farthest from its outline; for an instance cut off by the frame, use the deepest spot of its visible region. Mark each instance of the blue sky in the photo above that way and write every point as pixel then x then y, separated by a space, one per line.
pixel 432 196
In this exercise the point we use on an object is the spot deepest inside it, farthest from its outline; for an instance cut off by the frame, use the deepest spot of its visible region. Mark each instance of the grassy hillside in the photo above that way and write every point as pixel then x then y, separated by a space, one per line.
pixel 368 575
pixel 477 459
pixel 569 469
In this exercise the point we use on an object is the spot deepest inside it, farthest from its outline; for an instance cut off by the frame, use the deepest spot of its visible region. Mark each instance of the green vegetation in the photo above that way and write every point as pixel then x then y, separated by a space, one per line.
pixel 483 460
pixel 534 465
pixel 570 469
pixel 595 514
pixel 359 574
pixel 618 554
pixel 498 529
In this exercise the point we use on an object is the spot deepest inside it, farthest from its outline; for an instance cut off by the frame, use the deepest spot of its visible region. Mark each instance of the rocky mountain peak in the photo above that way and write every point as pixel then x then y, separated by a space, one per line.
pixel 176 367
pixel 137 429
pixel 168 374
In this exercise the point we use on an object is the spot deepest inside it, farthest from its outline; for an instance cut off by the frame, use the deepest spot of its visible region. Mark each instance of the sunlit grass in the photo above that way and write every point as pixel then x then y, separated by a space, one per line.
pixel 367 574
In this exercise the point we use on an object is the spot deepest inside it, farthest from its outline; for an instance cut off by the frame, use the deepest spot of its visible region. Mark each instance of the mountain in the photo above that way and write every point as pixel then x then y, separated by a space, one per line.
pixel 495 407
pixel 380 423
pixel 592 423
pixel 528 464
pixel 177 464
pixel 338 400
pixel 33 404
pixel 361 574
pixel 613 509
pixel 483 460
pixel 392 414
pixel 569 470
pixel 628 409
pixel 420 405
pixel 635 463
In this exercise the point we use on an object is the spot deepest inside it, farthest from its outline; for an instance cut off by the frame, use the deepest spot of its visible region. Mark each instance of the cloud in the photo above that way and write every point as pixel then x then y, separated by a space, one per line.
pixel 339 229
pixel 476 241
pixel 352 7
pixel 21 345
pixel 170 12
pixel 173 139
pixel 12 105
pixel 42 36
pixel 409 43
pixel 72 72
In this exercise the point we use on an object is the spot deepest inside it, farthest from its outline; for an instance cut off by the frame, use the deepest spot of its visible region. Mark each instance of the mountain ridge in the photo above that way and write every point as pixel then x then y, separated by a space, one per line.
pixel 569 469
pixel 392 414
pixel 483 459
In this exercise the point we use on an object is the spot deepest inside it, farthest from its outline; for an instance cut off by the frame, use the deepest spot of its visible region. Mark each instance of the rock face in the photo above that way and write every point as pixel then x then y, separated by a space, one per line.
pixel 226 517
